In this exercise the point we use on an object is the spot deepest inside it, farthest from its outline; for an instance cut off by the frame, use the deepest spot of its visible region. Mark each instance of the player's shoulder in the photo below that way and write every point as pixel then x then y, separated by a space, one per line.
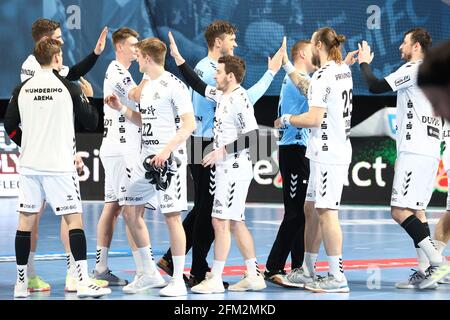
pixel 116 68
pixel 206 63
pixel 169 79
pixel 240 96
pixel 409 66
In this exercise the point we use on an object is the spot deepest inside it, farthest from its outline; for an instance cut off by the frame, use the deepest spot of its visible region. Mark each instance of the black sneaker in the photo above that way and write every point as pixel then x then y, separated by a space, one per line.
pixel 167 266
pixel 193 281
pixel 277 277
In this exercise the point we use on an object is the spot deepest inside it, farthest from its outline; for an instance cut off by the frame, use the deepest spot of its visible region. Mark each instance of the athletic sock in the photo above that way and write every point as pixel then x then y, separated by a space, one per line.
pixel 217 268
pixel 252 267
pixel 138 262
pixel 309 264
pixel 336 267
pixel 178 267
pixel 101 262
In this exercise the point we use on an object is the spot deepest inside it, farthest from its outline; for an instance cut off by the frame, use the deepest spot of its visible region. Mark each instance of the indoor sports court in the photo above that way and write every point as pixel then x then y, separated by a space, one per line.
pixel 190 150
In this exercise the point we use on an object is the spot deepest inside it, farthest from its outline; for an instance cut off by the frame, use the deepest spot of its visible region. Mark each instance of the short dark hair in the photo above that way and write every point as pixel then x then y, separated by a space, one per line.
pixel 235 65
pixel 218 29
pixel 435 69
pixel 45 49
pixel 123 34
pixel 43 27
pixel 421 36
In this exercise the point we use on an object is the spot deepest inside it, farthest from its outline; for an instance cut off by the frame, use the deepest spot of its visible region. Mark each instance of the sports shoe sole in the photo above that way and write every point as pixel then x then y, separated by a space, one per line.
pixel 277 281
pixel 247 289
pixel 208 292
pixel 39 290
pixel 340 290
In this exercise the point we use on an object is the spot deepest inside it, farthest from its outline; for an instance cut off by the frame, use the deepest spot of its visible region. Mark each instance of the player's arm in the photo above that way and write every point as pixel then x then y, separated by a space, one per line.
pixel 365 57
pixel 259 88
pixel 12 119
pixel 183 133
pixel 113 102
pixel 85 65
pixel 85 113
pixel 135 93
pixel 191 77
pixel 311 119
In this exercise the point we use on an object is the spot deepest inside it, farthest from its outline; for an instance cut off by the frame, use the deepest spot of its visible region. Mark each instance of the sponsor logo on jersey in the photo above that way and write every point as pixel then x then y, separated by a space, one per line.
pixel 27 72
pixel 69 198
pixel 66 208
pixel 122 129
pixel 27 206
pixel 341 76
pixel 164 83
pixel 133 198
pixel 240 117
pixel 126 81
pixel 121 118
pixel 402 80
pixel 433 132
pixel 150 142
pixel 217 203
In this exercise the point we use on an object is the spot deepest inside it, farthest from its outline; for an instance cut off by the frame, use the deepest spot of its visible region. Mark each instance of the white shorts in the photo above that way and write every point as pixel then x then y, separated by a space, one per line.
pixel 140 191
pixel 231 191
pixel 325 184
pixel 62 192
pixel 448 191
pixel 117 176
pixel 414 181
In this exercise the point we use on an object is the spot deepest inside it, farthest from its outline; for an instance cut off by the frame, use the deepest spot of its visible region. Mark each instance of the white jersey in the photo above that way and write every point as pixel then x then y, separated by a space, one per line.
pixel 418 131
pixel 163 101
pixel 446 139
pixel 31 66
pixel 120 136
pixel 234 116
pixel 331 88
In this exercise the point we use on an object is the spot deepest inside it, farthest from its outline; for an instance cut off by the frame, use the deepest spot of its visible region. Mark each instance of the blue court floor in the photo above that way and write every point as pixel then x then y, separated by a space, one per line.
pixel 377 253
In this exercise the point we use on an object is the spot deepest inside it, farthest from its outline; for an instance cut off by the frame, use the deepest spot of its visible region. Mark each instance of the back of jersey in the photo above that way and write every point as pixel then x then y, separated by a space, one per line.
pixel 331 88
pixel 46 113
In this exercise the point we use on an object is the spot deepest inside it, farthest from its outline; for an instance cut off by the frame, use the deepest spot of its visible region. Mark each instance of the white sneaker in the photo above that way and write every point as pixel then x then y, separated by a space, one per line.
pixel 209 285
pixel 249 283
pixel 129 288
pixel 21 289
pixel 145 282
pixel 413 282
pixel 445 280
pixel 175 288
pixel 71 283
pixel 328 284
pixel 298 279
pixel 433 274
pixel 91 290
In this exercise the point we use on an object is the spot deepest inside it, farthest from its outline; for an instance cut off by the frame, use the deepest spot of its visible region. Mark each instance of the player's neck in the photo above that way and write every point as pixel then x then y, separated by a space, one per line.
pixel 300 67
pixel 416 57
pixel 231 88
pixel 123 61
pixel 214 54
pixel 154 72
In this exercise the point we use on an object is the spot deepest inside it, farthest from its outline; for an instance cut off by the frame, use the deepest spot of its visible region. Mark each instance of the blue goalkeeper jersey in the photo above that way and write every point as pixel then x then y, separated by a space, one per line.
pixel 292 102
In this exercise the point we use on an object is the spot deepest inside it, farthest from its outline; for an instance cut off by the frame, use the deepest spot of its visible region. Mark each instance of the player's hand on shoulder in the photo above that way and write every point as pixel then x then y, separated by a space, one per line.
pixel 86 87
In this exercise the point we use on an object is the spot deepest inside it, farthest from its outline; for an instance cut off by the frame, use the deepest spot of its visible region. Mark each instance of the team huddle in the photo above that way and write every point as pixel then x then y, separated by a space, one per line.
pixel 155 130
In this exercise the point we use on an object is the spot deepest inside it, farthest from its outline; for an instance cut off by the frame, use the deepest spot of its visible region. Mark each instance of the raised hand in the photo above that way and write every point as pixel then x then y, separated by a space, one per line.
pixel 179 60
pixel 364 53
pixel 275 62
pixel 86 87
pixel 101 42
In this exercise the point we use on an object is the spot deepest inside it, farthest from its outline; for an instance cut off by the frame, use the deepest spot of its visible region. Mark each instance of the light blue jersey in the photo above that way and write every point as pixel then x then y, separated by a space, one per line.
pixel 204 109
pixel 292 102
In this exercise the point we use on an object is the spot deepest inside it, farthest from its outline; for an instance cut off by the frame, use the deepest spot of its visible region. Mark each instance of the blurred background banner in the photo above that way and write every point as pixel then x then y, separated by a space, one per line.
pixel 261 25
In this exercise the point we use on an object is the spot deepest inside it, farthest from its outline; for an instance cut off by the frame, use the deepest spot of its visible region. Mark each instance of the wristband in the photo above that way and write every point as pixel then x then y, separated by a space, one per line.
pixel 285 119
pixel 289 67
pixel 123 110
